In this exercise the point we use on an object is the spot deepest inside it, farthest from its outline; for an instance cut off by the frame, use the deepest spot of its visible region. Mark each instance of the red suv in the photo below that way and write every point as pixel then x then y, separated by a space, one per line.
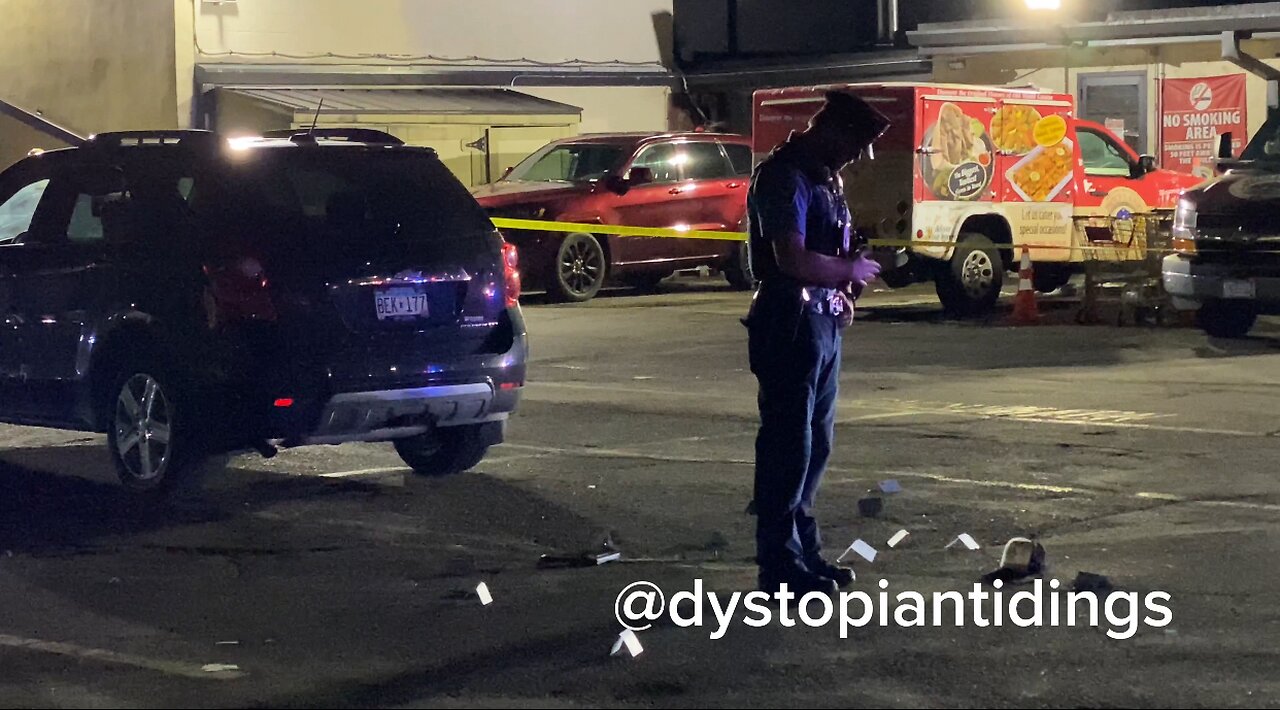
pixel 687 181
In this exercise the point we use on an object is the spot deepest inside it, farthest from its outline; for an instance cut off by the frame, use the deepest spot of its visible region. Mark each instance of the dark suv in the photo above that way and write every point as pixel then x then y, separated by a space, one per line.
pixel 189 295
pixel 683 181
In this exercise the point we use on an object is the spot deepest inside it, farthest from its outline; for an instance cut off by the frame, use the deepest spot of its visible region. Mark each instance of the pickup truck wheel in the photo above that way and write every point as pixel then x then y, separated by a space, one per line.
pixel 970 283
pixel 443 452
pixel 579 270
pixel 1227 319
pixel 152 440
pixel 738 270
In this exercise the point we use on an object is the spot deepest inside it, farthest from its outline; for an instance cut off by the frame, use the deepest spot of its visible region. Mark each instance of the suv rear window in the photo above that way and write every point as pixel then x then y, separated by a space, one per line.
pixel 376 194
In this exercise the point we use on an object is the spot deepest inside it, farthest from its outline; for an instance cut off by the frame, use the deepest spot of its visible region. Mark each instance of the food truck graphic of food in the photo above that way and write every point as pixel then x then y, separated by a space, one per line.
pixel 968 175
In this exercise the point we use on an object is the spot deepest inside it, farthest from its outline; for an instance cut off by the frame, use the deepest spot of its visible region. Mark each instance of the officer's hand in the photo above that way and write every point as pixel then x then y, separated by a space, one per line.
pixel 863 270
pixel 846 314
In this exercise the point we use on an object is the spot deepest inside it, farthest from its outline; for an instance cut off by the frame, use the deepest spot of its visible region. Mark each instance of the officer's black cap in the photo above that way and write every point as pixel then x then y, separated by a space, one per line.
pixel 854 114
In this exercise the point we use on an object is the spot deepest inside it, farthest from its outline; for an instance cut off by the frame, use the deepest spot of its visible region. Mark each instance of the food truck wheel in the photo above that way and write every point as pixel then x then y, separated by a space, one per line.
pixel 970 283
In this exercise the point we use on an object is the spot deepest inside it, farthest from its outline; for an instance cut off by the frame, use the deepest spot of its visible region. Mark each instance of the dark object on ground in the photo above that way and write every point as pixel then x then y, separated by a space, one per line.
pixel 870 507
pixel 1090 582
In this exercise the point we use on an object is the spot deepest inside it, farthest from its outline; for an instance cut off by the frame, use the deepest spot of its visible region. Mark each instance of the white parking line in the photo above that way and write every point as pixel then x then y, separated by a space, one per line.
pixel 365 472
pixel 596 452
pixel 175 668
pixel 1116 419
pixel 1062 490
pixel 939 478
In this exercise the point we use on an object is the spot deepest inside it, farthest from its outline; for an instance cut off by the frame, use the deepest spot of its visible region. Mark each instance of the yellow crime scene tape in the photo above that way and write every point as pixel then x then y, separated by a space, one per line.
pixel 539 225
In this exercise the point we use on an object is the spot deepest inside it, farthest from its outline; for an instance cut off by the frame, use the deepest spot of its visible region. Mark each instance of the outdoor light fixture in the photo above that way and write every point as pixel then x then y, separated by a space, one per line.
pixel 1044 4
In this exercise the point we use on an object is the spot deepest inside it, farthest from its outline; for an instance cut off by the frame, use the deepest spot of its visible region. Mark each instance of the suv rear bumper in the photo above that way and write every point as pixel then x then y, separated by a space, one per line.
pixel 391 414
pixel 1192 284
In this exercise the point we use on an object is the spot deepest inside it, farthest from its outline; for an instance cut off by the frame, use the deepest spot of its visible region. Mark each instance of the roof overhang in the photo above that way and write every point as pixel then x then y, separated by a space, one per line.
pixel 1029 33
pixel 252 75
pixel 464 101
pixel 41 124
pixel 766 73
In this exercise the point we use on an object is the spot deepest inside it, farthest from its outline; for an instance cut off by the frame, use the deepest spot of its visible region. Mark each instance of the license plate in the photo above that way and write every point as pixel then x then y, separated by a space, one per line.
pixel 1239 289
pixel 400 303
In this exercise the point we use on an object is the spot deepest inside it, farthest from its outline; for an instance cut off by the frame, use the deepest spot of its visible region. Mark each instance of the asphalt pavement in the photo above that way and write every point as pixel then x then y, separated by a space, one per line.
pixel 331 576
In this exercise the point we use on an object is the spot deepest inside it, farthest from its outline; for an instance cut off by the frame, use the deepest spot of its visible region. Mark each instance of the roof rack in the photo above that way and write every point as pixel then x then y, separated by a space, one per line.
pixel 130 139
pixel 353 135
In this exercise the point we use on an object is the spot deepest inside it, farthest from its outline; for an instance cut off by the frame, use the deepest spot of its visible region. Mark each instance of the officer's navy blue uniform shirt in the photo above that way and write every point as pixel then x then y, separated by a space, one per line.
pixel 793 191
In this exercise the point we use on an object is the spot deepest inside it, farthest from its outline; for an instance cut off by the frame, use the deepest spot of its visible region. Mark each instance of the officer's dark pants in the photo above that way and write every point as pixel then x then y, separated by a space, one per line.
pixel 797 364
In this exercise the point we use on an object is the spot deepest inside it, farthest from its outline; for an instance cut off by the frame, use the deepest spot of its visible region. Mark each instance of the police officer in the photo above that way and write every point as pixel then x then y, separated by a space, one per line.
pixel 800 253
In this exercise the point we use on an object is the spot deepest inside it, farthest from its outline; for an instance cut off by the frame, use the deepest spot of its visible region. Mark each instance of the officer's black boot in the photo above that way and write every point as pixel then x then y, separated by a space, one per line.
pixel 842 576
pixel 799 582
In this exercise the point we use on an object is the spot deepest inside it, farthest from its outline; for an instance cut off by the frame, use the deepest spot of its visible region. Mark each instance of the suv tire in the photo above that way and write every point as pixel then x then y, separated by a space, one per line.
pixel 1227 319
pixel 151 437
pixel 579 268
pixel 445 451
pixel 738 271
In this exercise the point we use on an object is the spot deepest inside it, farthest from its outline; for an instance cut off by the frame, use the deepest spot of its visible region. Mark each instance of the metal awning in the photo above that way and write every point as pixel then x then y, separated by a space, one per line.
pixel 39 123
pixel 459 101
pixel 213 75
pixel 1203 24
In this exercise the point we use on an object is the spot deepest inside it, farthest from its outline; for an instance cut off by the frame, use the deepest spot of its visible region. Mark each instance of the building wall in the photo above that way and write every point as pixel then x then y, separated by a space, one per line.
pixel 91 65
pixel 611 109
pixel 497 31
pixel 1061 71
pixel 184 18
pixel 544 30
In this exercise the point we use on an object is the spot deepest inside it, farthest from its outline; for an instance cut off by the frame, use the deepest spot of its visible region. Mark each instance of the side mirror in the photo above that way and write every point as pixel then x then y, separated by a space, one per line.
pixel 640 176
pixel 1147 164
pixel 507 172
pixel 616 184
pixel 1225 146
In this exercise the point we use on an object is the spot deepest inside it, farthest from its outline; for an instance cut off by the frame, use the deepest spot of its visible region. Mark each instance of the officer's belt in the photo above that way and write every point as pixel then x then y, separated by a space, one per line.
pixel 817 300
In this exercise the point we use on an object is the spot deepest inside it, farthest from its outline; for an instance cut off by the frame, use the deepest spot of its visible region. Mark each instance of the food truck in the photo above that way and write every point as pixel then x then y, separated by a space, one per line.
pixel 967 176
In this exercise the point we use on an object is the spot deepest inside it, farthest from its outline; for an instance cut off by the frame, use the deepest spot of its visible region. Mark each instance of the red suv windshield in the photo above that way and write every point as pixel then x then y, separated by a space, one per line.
pixel 569 162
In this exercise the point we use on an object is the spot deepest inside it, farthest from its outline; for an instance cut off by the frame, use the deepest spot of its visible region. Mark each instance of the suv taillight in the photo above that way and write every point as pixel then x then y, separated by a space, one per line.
pixel 237 291
pixel 511 274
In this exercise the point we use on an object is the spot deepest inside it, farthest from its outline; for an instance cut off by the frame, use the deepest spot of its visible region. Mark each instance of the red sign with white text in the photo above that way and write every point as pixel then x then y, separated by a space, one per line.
pixel 1196 112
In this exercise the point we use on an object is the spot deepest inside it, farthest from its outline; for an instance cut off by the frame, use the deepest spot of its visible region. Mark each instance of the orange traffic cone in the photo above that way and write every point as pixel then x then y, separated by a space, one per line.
pixel 1025 310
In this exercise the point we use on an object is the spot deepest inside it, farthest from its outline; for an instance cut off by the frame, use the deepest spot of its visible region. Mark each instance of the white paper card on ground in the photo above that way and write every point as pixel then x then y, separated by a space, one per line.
pixel 482 591
pixel 898 537
pixel 627 645
pixel 890 486
pixel 964 539
pixel 863 550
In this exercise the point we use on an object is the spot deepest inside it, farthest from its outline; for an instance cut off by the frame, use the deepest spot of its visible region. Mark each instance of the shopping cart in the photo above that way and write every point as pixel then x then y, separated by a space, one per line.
pixel 1122 258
